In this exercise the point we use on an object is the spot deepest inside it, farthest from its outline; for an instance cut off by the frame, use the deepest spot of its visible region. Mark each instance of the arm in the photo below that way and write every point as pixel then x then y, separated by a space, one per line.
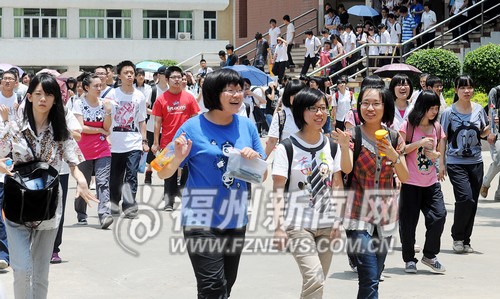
pixel 280 237
pixel 156 141
pixel 107 116
pixel 88 129
pixel 81 186
pixel 392 154
pixel 142 126
pixel 343 138
pixel 442 161
pixel 261 99
pixel 182 147
pixel 270 144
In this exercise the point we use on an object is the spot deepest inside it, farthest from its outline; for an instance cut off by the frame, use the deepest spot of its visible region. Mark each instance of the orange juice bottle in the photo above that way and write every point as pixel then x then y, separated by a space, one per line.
pixel 380 135
pixel 163 158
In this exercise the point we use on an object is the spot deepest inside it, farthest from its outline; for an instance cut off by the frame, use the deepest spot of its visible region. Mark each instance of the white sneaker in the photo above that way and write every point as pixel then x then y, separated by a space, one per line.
pixel 458 246
pixel 417 248
pixel 4 264
pixel 411 267
pixel 468 249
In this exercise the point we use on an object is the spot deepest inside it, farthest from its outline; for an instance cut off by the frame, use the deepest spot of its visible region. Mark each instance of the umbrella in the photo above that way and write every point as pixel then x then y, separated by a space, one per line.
pixel 68 74
pixel 6 66
pixel 148 65
pixel 256 76
pixel 49 71
pixel 362 11
pixel 390 70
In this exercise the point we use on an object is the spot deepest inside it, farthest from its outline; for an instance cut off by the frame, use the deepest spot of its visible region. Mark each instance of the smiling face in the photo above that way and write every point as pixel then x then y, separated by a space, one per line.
pixel 402 90
pixel 372 106
pixel 231 98
pixel 42 102
pixel 315 116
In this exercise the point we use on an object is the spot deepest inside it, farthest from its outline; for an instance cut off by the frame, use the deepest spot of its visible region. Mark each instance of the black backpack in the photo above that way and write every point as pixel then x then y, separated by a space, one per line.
pixel 288 144
pixel 393 137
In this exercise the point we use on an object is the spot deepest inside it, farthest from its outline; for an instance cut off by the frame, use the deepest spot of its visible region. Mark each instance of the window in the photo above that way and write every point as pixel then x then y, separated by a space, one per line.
pixel 36 22
pixel 210 24
pixel 166 23
pixel 243 19
pixel 102 23
pixel 0 22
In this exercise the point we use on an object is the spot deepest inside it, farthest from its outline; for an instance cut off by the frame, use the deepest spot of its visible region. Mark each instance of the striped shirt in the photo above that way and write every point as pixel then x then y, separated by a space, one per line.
pixel 408 24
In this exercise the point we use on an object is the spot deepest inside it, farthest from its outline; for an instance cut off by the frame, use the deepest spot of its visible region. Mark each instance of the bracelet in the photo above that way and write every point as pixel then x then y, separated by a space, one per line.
pixel 145 141
pixel 107 114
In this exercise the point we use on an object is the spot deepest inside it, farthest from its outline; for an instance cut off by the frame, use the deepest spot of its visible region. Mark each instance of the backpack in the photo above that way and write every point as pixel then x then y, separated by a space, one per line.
pixel 154 91
pixel 288 144
pixel 437 126
pixel 281 122
pixel 393 137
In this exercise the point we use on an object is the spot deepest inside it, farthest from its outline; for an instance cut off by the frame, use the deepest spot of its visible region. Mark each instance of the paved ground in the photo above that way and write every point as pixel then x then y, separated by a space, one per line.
pixel 97 265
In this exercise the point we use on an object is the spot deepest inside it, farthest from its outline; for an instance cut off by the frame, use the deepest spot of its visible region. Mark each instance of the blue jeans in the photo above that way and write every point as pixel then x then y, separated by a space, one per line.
pixel 4 247
pixel 370 253
pixel 30 252
pixel 269 119
pixel 124 168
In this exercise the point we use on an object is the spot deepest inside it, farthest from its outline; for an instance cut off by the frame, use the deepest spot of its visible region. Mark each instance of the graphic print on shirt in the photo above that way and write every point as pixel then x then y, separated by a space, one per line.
pixel 176 107
pixel 423 163
pixel 124 117
pixel 221 163
pixel 318 182
pixel 464 137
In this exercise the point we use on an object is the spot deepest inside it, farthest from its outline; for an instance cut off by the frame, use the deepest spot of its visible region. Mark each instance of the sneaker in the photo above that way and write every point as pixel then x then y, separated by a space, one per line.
pixel 417 248
pixel 434 264
pixel 484 191
pixel 82 222
pixel 106 221
pixel 382 277
pixel 458 246
pixel 92 185
pixel 169 207
pixel 411 267
pixel 468 249
pixel 3 264
pixel 148 177
pixel 131 215
pixel 55 259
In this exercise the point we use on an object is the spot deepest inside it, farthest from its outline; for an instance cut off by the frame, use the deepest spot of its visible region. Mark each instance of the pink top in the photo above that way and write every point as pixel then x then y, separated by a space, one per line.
pixel 421 169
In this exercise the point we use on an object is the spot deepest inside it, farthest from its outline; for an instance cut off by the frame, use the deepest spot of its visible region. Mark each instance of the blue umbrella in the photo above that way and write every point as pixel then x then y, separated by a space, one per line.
pixel 256 76
pixel 149 66
pixel 362 11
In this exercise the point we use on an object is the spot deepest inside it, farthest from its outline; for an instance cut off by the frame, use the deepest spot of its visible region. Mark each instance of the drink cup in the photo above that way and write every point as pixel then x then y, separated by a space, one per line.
pixel 381 135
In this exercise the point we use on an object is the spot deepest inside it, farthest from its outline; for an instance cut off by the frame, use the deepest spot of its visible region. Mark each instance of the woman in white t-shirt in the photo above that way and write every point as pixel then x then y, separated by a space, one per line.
pixel 401 89
pixel 422 191
pixel 308 183
pixel 279 128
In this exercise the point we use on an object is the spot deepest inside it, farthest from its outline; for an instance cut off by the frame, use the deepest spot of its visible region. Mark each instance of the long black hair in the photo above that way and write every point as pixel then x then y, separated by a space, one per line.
pixel 460 81
pixel 425 100
pixel 57 114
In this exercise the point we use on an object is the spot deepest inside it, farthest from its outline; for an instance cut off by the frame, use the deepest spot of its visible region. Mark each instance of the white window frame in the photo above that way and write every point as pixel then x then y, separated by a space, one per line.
pixel 164 24
pixel 23 20
pixel 212 23
pixel 104 21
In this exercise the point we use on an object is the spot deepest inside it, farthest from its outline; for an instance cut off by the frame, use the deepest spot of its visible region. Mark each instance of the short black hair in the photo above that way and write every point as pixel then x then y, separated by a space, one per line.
pixel 202 60
pixel 272 21
pixel 398 79
pixel 110 67
pixel 373 81
pixel 308 32
pixel 12 72
pixel 381 26
pixel 433 80
pixel 385 9
pixel 425 100
pixel 222 53
pixel 215 82
pixel 387 99
pixel 292 87
pixel 305 98
pixel 123 64
pixel 390 16
pixel 140 71
pixel 246 80
pixel 171 69
pixel 428 4
pixel 229 47
pixel 403 9
pixel 15 71
pixel 87 80
pixel 286 18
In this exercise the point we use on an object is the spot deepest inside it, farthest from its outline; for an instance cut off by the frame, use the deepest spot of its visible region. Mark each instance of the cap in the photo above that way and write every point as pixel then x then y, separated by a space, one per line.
pixel 162 69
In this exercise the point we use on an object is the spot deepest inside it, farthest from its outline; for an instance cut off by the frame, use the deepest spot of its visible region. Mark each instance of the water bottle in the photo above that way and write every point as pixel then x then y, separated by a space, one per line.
pixel 162 159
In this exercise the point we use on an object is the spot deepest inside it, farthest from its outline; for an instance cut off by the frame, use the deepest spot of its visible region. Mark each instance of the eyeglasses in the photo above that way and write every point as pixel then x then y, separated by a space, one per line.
pixel 8 79
pixel 101 74
pixel 315 109
pixel 233 92
pixel 176 77
pixel 375 105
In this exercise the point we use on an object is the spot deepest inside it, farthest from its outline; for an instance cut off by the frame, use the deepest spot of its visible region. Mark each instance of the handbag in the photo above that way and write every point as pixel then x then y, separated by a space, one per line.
pixel 31 193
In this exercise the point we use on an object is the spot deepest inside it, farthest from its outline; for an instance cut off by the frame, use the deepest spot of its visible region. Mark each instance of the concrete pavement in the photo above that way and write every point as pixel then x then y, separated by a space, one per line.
pixel 134 260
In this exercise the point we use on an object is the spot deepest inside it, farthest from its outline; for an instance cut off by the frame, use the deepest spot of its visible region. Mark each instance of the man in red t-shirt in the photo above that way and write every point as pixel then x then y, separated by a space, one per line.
pixel 171 109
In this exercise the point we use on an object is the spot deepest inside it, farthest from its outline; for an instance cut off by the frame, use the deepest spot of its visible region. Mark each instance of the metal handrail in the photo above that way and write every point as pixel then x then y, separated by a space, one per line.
pixel 253 41
pixel 400 45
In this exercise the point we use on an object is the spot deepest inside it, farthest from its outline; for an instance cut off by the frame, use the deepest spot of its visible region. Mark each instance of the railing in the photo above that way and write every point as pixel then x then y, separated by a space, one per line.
pixel 402 55
pixel 242 50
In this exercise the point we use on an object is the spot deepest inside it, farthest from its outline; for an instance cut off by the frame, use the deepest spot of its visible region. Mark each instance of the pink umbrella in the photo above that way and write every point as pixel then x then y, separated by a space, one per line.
pixel 49 71
pixel 397 68
pixel 7 66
